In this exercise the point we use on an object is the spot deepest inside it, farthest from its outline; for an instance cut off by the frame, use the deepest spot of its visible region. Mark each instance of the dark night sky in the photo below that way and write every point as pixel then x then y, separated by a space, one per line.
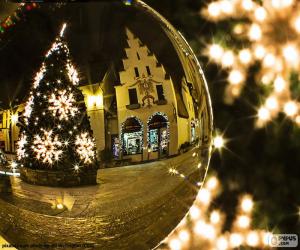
pixel 96 37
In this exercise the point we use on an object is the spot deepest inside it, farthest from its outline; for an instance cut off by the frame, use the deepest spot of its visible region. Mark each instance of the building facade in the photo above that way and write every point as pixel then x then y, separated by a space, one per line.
pixel 136 113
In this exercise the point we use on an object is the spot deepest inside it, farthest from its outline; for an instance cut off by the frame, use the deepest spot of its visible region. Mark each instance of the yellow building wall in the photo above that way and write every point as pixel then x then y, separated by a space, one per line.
pixel 93 98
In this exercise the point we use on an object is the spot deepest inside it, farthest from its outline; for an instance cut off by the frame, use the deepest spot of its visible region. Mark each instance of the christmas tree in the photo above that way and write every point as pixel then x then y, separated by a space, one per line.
pixel 55 130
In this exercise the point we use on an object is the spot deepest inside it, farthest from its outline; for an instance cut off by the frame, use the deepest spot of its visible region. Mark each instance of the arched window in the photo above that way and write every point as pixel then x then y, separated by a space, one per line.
pixel 158 133
pixel 132 136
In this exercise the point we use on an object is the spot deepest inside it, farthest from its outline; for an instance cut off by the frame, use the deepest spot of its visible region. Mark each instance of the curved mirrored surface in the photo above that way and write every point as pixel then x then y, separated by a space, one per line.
pixel 149 111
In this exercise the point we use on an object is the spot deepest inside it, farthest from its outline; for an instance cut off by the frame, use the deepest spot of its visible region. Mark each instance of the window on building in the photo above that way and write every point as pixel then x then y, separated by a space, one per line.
pixel 160 92
pixel 133 99
pixel 138 56
pixel 132 137
pixel 136 71
pixel 148 71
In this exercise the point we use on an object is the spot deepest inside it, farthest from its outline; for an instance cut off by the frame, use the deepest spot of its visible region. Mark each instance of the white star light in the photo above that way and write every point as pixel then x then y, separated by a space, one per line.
pixel 63 105
pixel 47 147
pixel 39 76
pixel 21 153
pixel 85 148
pixel 72 73
pixel 28 107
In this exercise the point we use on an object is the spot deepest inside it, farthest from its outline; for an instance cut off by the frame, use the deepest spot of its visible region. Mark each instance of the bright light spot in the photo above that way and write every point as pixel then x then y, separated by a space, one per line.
pixel 247 204
pixel 63 30
pixel 238 29
pixel 76 167
pixel 236 77
pixel 264 114
pixel 235 240
pixel 194 212
pixel 218 142
pixel 173 171
pixel 227 58
pixel 259 51
pixel 199 165
pixel 272 103
pixel 286 3
pixel 204 196
pixel 14 118
pixel 260 14
pixel 226 6
pixel 255 33
pixel 291 54
pixel 247 4
pixel 297 24
pixel 175 244
pixel 216 52
pixel 59 206
pixel 279 65
pixel 276 4
pixel 290 108
pixel 184 235
pixel 212 183
pixel 269 60
pixel 205 230
pixel 13 166
pixel 279 84
pixel 194 154
pixel 95 101
pixel 215 217
pixel 252 239
pixel 243 221
pixel 245 56
pixel 214 9
pixel 222 243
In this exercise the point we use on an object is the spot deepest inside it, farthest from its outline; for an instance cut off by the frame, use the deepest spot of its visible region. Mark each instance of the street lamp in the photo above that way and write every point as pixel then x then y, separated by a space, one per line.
pixel 14 118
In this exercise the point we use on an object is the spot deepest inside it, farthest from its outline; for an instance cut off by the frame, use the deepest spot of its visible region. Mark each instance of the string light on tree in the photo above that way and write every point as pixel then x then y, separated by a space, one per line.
pixel 21 146
pixel 270 33
pixel 85 148
pixel 204 229
pixel 48 147
pixel 63 105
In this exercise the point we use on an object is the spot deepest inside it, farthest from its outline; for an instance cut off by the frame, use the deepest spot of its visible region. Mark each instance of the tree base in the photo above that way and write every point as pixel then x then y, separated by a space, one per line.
pixel 58 178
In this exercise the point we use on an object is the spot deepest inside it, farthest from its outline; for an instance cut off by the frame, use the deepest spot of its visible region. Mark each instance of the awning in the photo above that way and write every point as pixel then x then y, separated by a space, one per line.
pixel 158 121
pixel 131 125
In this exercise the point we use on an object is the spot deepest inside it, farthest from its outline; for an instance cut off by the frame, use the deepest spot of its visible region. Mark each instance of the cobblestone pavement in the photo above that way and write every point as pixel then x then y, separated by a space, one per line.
pixel 132 207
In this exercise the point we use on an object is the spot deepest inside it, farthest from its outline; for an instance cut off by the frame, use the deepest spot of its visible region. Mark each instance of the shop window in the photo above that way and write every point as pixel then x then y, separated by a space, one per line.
pixel 158 138
pixel 132 137
pixel 136 71
pixel 133 143
pixel 133 99
pixel 160 92
pixel 148 71
pixel 153 140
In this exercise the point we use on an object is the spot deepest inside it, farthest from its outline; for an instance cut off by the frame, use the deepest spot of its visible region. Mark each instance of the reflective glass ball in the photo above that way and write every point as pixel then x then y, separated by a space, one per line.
pixel 115 159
